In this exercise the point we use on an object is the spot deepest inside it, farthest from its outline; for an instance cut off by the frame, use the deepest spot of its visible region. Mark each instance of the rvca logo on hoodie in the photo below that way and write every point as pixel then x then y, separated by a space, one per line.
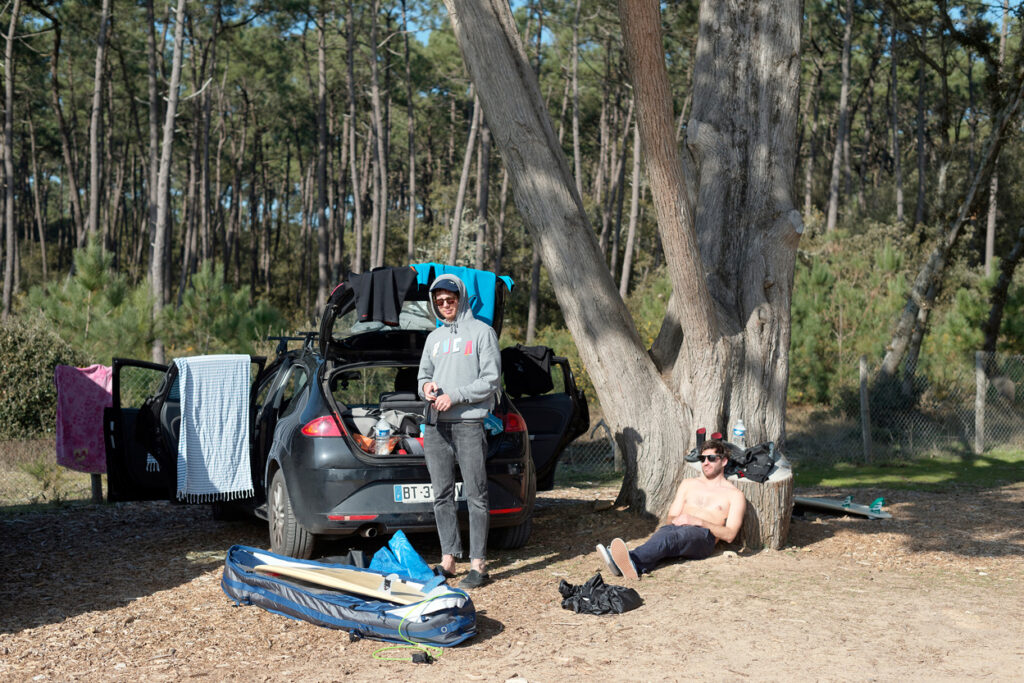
pixel 453 345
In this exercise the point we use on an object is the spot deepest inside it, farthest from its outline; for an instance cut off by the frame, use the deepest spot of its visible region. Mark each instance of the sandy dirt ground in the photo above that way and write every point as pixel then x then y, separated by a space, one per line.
pixel 132 592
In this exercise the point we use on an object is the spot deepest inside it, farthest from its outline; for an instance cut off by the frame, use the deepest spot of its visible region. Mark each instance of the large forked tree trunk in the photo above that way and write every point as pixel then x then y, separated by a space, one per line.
pixel 734 357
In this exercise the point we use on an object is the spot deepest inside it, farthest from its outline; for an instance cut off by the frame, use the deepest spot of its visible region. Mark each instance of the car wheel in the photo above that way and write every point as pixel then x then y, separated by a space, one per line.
pixel 287 536
pixel 511 537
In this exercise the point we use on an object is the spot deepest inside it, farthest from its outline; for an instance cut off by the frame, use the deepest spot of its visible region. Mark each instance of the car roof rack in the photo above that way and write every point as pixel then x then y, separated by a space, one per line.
pixel 307 339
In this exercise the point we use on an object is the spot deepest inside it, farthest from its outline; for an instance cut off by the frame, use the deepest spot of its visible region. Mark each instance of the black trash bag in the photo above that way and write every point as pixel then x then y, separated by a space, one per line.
pixel 597 597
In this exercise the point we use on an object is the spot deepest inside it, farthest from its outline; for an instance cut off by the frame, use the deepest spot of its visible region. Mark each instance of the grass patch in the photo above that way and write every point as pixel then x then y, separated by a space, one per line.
pixel 940 473
pixel 581 477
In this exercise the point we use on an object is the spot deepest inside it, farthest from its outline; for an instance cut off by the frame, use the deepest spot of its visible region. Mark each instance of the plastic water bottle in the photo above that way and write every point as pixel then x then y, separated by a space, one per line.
pixel 382 434
pixel 739 434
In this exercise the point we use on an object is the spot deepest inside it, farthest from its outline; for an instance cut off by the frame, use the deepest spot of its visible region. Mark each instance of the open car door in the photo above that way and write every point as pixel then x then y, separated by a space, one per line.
pixel 139 464
pixel 141 430
pixel 555 410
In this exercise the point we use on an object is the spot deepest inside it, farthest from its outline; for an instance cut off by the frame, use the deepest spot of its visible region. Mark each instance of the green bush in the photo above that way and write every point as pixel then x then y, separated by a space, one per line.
pixel 29 352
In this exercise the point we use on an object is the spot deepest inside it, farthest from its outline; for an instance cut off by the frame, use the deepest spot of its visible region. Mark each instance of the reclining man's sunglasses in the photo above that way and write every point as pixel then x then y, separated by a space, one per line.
pixel 709 458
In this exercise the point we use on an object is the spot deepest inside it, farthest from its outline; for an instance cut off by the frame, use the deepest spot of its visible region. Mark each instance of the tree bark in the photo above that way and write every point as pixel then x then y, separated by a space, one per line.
pixel 993 189
pixel 10 234
pixel 159 272
pixel 997 299
pixel 745 179
pixel 895 123
pixel 411 133
pixel 95 122
pixel 357 195
pixel 483 184
pixel 460 198
pixel 381 136
pixel 634 215
pixel 841 126
pixel 36 200
pixel 322 229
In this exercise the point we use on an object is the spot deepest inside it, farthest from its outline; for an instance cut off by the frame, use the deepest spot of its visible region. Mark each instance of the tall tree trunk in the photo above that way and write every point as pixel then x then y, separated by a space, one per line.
pixel 483 182
pixel 533 311
pixel 895 118
pixel 841 125
pixel 357 194
pixel 921 158
pixel 95 123
pixel 10 234
pixel 159 265
pixel 381 135
pixel 411 130
pixel 71 172
pixel 154 132
pixel 499 233
pixel 997 300
pixel 993 189
pixel 811 111
pixel 634 216
pixel 748 62
pixel 467 162
pixel 322 229
pixel 36 201
pixel 576 155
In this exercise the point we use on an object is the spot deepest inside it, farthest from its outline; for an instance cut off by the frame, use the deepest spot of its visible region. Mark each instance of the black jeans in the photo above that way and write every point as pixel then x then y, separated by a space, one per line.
pixel 465 442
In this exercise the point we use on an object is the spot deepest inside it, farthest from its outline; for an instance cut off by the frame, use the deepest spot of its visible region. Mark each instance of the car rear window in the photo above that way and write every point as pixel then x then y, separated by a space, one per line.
pixel 415 315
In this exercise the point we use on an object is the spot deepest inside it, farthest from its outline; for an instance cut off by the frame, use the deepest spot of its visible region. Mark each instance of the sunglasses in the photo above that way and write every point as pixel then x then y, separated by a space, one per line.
pixel 710 458
pixel 446 301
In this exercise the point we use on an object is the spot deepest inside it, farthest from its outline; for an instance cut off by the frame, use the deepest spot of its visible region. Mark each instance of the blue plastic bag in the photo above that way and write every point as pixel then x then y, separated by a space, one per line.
pixel 399 557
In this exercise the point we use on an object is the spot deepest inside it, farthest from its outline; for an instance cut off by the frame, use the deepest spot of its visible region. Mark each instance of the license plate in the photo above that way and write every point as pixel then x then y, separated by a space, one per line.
pixel 422 493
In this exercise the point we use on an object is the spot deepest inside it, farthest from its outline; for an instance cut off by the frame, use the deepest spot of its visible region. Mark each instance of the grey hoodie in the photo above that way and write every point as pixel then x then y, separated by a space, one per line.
pixel 463 359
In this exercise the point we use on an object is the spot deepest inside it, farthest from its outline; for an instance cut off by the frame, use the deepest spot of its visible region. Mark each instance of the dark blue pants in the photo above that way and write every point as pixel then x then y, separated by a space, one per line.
pixel 670 541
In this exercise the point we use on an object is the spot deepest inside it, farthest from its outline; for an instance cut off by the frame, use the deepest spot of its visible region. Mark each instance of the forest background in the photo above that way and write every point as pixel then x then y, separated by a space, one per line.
pixel 188 177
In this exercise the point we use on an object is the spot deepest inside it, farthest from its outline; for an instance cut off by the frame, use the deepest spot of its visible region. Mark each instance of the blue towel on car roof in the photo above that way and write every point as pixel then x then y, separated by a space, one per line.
pixel 480 285
pixel 213 441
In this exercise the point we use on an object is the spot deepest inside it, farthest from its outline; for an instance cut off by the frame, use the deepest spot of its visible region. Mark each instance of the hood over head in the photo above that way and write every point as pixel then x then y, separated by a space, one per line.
pixel 450 283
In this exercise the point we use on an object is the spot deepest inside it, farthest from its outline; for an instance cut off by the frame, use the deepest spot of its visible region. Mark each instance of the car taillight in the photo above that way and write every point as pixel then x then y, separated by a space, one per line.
pixel 323 426
pixel 513 422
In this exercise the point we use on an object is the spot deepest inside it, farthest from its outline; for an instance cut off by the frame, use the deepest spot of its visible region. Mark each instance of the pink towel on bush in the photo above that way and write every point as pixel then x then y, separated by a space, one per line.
pixel 82 394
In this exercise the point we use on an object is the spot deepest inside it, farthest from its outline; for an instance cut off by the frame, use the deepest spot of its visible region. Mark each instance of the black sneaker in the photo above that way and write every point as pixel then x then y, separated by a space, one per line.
pixel 475 579
pixel 607 557
pixel 441 571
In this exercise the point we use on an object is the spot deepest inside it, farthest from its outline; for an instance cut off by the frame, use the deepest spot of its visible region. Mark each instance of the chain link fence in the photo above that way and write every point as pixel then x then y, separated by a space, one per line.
pixel 591 454
pixel 959 408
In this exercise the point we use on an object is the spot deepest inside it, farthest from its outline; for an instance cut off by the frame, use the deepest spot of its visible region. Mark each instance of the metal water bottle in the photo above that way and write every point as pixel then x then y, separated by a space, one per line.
pixel 382 434
pixel 739 434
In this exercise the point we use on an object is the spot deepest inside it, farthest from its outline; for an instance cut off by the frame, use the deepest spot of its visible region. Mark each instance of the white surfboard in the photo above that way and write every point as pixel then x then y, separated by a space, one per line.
pixel 845 505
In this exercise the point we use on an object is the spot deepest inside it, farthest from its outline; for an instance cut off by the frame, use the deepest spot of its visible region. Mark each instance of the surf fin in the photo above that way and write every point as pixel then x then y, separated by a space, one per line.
pixel 848 501
pixel 876 504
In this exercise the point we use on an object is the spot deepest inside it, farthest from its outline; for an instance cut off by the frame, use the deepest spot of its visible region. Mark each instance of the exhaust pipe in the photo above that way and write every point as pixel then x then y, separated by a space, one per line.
pixel 368 531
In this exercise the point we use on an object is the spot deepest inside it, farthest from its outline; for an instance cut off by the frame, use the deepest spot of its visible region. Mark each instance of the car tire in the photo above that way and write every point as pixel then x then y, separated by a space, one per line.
pixel 287 536
pixel 511 537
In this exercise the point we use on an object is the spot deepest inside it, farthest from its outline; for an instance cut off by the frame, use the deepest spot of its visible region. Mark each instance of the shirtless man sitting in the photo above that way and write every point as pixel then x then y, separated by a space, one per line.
pixel 706 510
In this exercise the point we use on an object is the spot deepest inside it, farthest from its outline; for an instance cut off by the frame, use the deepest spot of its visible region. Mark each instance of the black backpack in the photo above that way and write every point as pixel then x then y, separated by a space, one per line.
pixel 754 463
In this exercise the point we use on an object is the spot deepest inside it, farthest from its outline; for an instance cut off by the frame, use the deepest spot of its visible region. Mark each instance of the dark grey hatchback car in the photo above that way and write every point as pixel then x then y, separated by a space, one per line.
pixel 312 413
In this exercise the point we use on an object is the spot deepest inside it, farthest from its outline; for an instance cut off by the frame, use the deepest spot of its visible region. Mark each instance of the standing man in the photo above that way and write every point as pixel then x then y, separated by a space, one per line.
pixel 460 371
pixel 706 510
